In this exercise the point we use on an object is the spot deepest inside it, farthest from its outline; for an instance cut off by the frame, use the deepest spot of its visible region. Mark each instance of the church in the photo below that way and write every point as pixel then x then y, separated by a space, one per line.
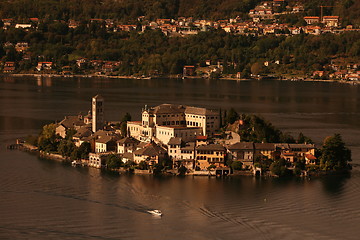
pixel 165 121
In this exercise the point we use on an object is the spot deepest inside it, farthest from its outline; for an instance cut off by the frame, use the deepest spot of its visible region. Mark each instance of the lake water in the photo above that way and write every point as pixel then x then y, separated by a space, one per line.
pixel 42 199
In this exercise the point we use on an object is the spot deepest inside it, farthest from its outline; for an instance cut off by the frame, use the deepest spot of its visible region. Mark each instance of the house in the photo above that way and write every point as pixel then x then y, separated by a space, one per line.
pixel 150 153
pixel 108 67
pixel 81 133
pixel 294 30
pixel 7 22
pixel 330 21
pixel 105 144
pixel 189 71
pixel 9 67
pixel 243 152
pixel 174 147
pixel 98 160
pixel 82 62
pixel 212 154
pixel 187 156
pixel 44 66
pixel 126 28
pixel 302 149
pixel 21 46
pixel 297 9
pixel 126 145
pixel 182 154
pixel 69 122
pixel 266 150
pixel 294 152
pixel 310 159
pixel 23 25
pixel 311 20
pixel 314 30
pixel 318 74
pixel 34 20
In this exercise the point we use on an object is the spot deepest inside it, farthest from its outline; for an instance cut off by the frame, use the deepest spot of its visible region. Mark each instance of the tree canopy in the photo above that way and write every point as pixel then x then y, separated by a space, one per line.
pixel 335 156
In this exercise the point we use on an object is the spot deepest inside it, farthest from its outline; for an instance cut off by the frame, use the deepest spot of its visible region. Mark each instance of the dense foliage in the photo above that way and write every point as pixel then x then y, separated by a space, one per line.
pixel 335 156
pixel 152 51
pixel 152 9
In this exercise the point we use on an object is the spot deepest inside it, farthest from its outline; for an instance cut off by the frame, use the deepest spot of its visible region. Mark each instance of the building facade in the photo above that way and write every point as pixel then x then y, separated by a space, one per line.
pixel 169 120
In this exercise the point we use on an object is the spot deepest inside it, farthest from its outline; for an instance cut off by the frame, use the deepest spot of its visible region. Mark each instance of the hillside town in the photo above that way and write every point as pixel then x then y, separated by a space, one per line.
pixel 263 20
pixel 177 136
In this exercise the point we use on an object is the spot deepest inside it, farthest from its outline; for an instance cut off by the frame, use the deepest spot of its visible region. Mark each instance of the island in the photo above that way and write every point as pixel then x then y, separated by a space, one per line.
pixel 186 140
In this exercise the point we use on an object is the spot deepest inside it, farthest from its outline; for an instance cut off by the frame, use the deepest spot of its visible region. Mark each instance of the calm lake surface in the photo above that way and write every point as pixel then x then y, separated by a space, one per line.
pixel 42 199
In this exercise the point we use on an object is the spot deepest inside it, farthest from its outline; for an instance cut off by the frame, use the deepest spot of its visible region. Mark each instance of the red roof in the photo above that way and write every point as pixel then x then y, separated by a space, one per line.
pixel 201 138
pixel 310 157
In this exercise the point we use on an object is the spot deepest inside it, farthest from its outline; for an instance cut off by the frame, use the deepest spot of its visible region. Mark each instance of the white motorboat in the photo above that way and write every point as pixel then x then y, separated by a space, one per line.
pixel 155 212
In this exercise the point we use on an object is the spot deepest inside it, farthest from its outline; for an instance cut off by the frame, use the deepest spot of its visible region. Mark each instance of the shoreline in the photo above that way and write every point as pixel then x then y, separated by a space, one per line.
pixel 39 75
pixel 84 163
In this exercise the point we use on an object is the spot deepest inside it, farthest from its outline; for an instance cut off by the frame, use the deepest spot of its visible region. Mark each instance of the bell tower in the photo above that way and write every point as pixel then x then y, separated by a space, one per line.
pixel 97 113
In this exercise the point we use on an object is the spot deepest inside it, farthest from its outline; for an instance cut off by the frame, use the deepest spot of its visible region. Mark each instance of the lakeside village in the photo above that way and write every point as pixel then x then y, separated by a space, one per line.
pixel 263 20
pixel 184 140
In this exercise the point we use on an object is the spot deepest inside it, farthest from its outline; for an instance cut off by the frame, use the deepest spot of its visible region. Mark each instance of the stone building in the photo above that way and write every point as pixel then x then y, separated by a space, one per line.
pixel 170 120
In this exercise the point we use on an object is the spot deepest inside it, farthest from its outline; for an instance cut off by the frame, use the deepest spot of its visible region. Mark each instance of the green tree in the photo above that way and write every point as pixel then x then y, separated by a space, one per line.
pixel 143 165
pixel 84 150
pixel 335 156
pixel 232 116
pixel 279 167
pixel 236 165
pixel 48 141
pixel 113 161
pixel 157 169
pixel 182 170
pixel 66 147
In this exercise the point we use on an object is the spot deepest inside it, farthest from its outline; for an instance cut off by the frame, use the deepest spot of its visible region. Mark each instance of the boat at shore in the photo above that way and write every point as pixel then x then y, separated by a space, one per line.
pixel 155 212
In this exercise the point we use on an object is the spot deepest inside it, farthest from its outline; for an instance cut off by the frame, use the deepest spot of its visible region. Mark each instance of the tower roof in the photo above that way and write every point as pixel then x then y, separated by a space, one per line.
pixel 98 96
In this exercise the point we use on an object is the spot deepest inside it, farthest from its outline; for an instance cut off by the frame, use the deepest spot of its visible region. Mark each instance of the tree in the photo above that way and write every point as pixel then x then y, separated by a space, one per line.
pixel 211 167
pixel 84 150
pixel 182 170
pixel 143 165
pixel 232 116
pixel 113 161
pixel 303 139
pixel 236 165
pixel 126 117
pixel 48 141
pixel 279 167
pixel 157 169
pixel 66 147
pixel 335 156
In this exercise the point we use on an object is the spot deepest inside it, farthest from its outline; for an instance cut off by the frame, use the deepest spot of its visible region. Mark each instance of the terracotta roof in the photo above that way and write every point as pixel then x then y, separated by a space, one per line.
pixel 83 132
pixel 242 146
pixel 310 157
pixel 71 121
pixel 175 141
pixel 201 137
pixel 151 150
pixel 301 145
pixel 98 97
pixel 189 147
pixel 214 147
pixel 127 140
pixel 200 111
pixel 264 146
pixel 104 139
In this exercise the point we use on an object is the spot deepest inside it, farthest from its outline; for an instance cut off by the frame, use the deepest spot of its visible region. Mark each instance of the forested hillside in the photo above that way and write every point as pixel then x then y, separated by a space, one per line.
pixel 349 10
